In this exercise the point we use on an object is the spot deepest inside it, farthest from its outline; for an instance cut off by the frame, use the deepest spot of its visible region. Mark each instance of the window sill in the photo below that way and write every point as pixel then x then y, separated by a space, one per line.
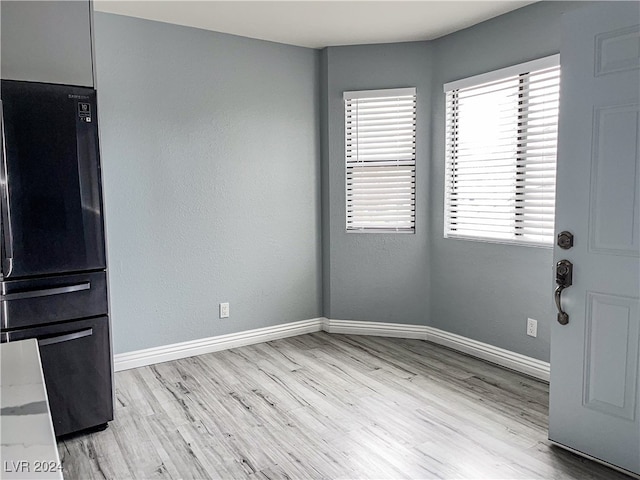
pixel 499 241
pixel 382 230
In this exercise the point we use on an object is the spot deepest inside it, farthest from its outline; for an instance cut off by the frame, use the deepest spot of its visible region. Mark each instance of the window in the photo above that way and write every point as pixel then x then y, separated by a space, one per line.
pixel 501 135
pixel 380 150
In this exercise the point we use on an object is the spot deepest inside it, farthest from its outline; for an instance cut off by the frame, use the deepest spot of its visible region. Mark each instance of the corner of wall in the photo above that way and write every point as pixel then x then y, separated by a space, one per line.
pixel 324 182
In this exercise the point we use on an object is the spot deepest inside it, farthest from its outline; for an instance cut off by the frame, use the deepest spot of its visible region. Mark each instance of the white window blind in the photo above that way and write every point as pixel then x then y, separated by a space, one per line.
pixel 380 150
pixel 501 136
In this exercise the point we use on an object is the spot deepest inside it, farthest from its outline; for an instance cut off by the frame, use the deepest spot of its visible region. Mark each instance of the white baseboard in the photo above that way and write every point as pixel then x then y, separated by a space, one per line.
pixel 377 329
pixel 500 356
pixel 150 356
pixel 506 358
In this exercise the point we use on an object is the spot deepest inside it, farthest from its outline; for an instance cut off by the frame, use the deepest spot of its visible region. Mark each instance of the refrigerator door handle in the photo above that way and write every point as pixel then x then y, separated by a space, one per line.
pixel 7 260
pixel 66 337
pixel 46 292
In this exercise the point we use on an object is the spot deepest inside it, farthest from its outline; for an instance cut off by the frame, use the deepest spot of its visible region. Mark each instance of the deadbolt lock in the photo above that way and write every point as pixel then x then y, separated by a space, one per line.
pixel 565 240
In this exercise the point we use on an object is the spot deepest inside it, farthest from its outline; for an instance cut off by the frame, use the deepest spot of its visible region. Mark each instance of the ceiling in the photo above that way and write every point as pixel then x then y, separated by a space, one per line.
pixel 318 24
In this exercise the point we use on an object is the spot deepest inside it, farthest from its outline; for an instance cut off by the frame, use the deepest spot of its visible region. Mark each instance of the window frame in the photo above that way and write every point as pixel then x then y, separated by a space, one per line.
pixel 405 164
pixel 522 72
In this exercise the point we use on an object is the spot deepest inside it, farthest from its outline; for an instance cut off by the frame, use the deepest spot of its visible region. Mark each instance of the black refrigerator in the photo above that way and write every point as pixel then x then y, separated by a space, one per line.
pixel 53 284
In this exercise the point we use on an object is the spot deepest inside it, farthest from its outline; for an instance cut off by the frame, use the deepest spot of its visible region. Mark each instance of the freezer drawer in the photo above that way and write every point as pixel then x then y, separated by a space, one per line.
pixel 27 303
pixel 76 362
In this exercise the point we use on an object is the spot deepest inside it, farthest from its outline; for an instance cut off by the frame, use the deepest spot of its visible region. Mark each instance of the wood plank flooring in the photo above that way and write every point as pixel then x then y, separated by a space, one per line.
pixel 326 406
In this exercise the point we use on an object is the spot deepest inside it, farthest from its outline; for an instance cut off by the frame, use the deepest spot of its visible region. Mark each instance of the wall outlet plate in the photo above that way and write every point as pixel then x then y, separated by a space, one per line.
pixel 532 327
pixel 224 310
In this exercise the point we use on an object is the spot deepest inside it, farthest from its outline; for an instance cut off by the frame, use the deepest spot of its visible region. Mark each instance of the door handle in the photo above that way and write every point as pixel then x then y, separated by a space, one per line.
pixel 7 264
pixel 563 317
pixel 65 338
pixel 564 279
pixel 46 292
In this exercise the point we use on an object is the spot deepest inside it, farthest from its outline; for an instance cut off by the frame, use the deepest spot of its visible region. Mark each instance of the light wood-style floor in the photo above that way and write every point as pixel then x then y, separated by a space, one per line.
pixel 326 406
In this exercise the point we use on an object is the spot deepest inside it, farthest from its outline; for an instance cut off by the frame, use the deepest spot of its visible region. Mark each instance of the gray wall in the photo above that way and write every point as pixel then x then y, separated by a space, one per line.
pixel 211 170
pixel 381 277
pixel 480 290
pixel 216 149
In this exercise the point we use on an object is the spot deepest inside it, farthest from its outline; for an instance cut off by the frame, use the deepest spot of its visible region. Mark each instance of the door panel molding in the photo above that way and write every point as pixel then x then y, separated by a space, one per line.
pixel 612 339
pixel 617 51
pixel 614 208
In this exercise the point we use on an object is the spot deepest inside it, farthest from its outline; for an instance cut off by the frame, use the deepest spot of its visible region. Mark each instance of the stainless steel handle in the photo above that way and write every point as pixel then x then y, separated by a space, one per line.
pixel 6 206
pixel 563 317
pixel 66 338
pixel 46 292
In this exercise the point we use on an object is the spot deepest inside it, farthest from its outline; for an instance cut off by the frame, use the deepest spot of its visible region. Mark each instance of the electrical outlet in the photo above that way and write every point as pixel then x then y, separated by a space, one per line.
pixel 532 327
pixel 224 310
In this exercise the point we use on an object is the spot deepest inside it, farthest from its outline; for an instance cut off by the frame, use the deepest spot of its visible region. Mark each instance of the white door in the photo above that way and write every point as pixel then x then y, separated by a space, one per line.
pixel 594 398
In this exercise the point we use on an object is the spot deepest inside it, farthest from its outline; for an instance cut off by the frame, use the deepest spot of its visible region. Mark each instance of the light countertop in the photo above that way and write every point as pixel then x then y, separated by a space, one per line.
pixel 28 444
